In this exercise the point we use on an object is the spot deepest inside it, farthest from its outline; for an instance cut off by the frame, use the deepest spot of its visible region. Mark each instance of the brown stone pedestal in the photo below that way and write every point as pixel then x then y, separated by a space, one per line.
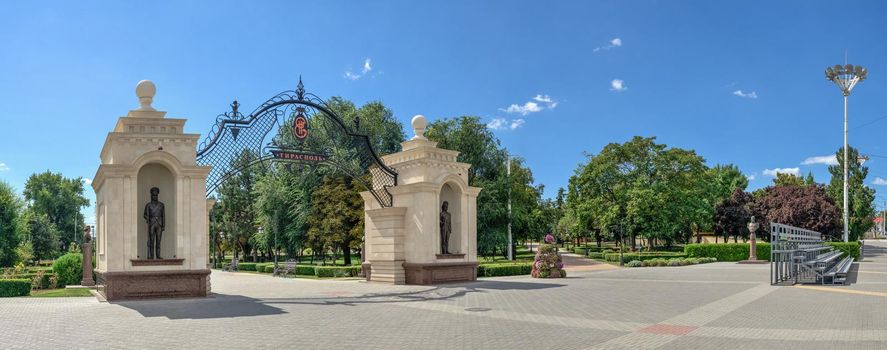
pixel 154 284
pixel 434 273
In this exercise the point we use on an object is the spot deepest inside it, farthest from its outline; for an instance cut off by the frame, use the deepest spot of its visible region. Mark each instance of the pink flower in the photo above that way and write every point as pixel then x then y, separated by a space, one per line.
pixel 549 239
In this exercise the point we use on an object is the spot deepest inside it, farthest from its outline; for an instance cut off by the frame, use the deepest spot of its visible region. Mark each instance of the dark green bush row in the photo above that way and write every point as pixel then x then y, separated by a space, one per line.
pixel 336 271
pixel 15 287
pixel 505 269
pixel 246 266
pixel 726 251
pixel 641 256
pixel 596 255
pixel 849 248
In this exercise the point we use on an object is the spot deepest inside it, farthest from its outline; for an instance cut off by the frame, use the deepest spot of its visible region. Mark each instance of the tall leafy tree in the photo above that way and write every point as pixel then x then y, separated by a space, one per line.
pixel 861 197
pixel 782 179
pixel 642 188
pixel 10 205
pixel 336 221
pixel 236 198
pixel 40 232
pixel 60 199
pixel 807 207
pixel 732 215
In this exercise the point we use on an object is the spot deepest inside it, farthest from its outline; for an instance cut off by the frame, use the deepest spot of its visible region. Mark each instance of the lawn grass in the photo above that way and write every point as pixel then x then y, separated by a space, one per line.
pixel 61 293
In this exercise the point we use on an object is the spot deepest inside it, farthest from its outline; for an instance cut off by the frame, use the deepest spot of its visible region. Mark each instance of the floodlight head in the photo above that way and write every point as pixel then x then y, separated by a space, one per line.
pixel 846 77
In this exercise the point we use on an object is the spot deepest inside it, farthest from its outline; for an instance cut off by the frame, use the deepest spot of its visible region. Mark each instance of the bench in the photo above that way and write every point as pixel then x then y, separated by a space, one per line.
pixel 232 266
pixel 285 268
pixel 838 274
pixel 802 256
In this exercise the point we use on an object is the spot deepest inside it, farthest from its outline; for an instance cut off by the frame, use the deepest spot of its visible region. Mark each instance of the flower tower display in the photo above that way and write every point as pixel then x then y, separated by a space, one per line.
pixel 548 263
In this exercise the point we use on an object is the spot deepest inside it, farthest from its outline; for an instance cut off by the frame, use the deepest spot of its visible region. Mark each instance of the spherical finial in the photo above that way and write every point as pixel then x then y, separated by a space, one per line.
pixel 419 124
pixel 145 90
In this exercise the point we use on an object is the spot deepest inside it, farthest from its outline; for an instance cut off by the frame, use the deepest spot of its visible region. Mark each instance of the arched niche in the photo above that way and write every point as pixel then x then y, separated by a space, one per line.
pixel 452 194
pixel 157 175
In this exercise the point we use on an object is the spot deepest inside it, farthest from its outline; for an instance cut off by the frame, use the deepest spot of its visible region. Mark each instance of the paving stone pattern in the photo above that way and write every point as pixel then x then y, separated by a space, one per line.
pixel 710 306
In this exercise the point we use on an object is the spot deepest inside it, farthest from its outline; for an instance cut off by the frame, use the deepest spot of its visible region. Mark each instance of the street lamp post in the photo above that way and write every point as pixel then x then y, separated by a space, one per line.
pixel 846 77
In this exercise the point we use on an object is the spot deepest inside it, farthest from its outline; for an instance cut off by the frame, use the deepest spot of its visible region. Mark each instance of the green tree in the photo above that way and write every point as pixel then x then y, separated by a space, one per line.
pixel 642 188
pixel 861 197
pixel 41 232
pixel 10 205
pixel 60 199
pixel 336 221
pixel 782 179
pixel 236 198
pixel 725 179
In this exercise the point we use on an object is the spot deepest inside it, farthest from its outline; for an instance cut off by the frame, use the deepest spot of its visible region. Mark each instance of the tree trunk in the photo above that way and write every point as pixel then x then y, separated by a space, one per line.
pixel 346 253
pixel 634 243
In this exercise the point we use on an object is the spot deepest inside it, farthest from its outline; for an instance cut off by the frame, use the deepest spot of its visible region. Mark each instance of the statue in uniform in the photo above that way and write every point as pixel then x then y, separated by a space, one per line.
pixel 445 229
pixel 156 218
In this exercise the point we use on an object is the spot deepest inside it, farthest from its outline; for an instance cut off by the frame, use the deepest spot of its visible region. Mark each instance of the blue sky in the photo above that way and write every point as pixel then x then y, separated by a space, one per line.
pixel 739 82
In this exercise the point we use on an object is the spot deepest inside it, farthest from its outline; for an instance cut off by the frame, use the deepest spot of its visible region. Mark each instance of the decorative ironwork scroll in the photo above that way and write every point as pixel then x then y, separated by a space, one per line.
pixel 293 127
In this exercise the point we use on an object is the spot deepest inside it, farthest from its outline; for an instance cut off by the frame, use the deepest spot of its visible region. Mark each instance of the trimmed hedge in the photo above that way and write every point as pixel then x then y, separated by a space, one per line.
pixel 726 251
pixel 504 269
pixel 596 255
pixel 14 287
pixel 305 270
pixel 246 266
pixel 670 262
pixel 849 248
pixel 641 256
pixel 336 271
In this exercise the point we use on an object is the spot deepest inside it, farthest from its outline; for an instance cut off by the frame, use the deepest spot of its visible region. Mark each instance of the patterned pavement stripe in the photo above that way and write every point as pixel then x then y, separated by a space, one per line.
pixel 607 325
pixel 838 290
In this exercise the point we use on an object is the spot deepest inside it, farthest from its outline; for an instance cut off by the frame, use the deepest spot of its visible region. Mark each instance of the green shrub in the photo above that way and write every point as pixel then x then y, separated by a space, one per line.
pixel 305 270
pixel 268 268
pixel 14 287
pixel 69 268
pixel 677 262
pixel 337 271
pixel 848 248
pixel 614 257
pixel 635 263
pixel 596 255
pixel 246 266
pixel 504 269
pixel 726 251
pixel 262 267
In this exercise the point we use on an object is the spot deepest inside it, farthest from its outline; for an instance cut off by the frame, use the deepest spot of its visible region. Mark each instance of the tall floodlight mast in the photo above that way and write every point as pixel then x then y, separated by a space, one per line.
pixel 846 77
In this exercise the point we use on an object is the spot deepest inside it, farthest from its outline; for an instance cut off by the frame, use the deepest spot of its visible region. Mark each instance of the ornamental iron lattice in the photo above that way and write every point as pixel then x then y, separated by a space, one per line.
pixel 293 127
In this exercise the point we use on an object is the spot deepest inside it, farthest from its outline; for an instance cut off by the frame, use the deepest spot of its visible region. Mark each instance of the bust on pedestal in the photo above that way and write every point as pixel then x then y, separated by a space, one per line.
pixel 86 248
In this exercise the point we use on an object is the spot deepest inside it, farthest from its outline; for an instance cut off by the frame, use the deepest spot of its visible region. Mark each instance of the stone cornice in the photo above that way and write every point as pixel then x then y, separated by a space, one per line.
pixel 106 171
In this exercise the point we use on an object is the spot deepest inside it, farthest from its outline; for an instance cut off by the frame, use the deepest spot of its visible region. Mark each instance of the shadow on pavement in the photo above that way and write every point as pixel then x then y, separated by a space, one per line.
pixel 446 292
pixel 219 306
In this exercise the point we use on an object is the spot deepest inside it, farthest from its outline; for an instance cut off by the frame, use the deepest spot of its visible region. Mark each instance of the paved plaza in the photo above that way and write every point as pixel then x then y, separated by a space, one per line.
pixel 712 306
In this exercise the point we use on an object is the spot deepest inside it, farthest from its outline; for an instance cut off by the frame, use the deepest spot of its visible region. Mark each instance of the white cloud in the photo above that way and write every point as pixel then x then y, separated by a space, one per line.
pixel 367 67
pixel 4 167
pixel 879 181
pixel 773 172
pixel 618 85
pixel 526 108
pixel 827 160
pixel 497 124
pixel 504 124
pixel 545 99
pixel 751 94
pixel 750 177
pixel 86 181
pixel 615 42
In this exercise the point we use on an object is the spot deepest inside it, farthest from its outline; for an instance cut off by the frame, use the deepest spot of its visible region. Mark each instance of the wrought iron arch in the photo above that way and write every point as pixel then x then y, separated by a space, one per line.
pixel 305 116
